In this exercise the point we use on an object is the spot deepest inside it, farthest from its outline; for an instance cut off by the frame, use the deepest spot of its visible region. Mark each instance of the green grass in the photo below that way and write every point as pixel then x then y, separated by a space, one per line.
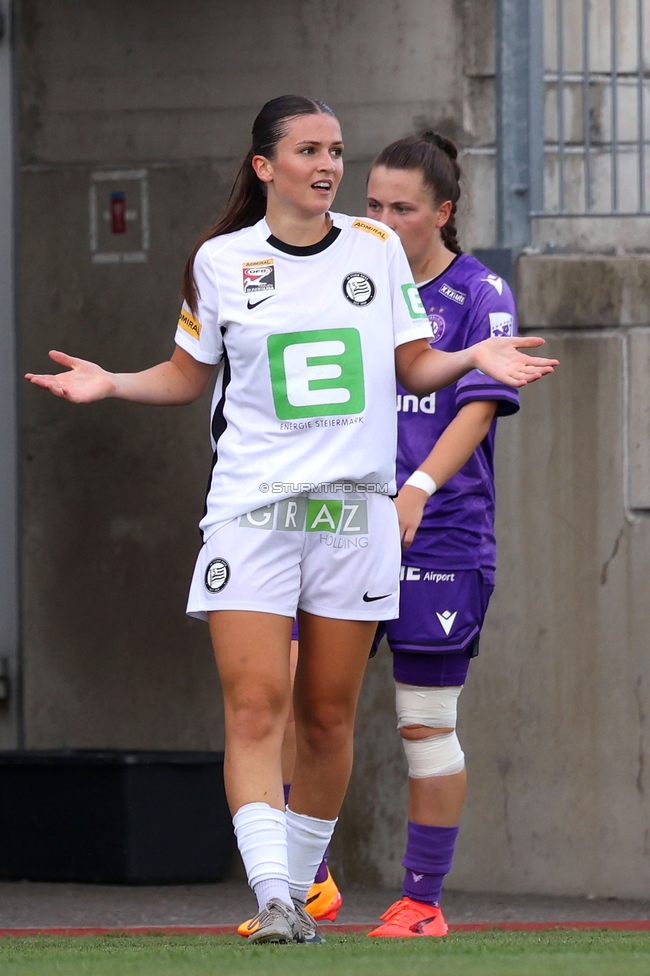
pixel 554 953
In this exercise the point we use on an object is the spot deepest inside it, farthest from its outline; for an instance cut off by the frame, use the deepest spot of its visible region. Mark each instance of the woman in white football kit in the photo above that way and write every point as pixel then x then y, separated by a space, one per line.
pixel 307 316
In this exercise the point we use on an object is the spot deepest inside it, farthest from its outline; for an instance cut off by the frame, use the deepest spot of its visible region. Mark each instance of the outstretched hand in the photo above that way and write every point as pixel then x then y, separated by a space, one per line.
pixel 82 383
pixel 500 358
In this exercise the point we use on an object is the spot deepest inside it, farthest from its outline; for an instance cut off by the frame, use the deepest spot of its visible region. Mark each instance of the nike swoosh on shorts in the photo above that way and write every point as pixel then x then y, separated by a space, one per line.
pixel 371 599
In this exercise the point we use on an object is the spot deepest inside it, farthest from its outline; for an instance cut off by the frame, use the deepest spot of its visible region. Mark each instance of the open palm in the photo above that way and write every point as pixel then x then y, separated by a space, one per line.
pixel 83 382
pixel 500 358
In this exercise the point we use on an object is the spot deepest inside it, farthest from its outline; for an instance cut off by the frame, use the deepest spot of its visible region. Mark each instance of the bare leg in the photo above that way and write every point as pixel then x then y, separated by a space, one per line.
pixel 437 800
pixel 289 740
pixel 252 654
pixel 332 660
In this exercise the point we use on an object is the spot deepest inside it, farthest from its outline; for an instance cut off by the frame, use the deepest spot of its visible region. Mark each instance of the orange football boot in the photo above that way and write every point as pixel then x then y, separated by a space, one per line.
pixel 324 900
pixel 407 918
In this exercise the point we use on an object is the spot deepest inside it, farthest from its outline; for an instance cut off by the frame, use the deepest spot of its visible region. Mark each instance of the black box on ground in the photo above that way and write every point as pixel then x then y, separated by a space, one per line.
pixel 114 817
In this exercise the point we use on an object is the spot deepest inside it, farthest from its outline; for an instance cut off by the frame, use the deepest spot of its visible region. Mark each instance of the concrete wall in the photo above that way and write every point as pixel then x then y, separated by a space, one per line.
pixel 160 81
pixel 564 804
pixel 554 718
pixel 9 611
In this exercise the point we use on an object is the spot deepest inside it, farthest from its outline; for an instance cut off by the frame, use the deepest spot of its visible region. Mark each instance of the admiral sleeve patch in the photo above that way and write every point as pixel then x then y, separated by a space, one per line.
pixel 383 235
pixel 189 324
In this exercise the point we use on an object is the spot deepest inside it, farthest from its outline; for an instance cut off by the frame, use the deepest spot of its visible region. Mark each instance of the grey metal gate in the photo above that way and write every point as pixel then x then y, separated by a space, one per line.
pixel 573 100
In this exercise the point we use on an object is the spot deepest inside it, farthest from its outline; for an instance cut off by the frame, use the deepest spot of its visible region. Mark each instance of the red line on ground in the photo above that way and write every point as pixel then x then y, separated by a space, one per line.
pixel 123 930
pixel 628 925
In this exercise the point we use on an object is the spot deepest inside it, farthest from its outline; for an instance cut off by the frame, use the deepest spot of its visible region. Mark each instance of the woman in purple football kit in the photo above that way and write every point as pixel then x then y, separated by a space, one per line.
pixel 446 510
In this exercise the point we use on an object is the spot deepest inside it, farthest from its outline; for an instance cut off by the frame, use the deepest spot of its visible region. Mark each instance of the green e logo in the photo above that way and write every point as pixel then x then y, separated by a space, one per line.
pixel 414 302
pixel 316 374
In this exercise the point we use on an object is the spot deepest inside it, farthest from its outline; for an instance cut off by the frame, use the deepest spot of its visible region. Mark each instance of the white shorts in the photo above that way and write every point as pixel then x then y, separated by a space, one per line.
pixel 333 556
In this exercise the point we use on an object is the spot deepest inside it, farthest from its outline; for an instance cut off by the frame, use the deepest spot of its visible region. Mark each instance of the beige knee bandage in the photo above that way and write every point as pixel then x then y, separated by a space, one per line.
pixel 434 708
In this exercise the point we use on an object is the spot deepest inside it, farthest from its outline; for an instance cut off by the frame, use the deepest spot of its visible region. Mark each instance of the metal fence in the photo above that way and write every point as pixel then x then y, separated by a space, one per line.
pixel 595 79
pixel 573 111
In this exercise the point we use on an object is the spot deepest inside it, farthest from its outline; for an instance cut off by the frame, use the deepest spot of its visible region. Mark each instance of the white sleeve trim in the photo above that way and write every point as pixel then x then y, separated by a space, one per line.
pixel 190 346
pixel 417 332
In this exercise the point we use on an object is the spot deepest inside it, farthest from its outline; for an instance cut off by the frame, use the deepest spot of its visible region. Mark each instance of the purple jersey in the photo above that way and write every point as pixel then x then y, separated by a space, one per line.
pixel 465 304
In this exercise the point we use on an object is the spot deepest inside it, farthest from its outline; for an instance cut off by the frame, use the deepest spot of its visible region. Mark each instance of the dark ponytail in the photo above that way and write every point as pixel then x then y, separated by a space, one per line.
pixel 247 201
pixel 437 159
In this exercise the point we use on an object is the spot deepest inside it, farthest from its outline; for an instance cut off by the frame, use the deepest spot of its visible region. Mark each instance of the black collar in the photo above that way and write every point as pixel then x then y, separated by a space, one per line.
pixel 297 251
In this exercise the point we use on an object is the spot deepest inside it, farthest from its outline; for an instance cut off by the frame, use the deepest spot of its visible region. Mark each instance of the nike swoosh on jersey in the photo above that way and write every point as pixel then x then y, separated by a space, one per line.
pixel 371 599
pixel 255 304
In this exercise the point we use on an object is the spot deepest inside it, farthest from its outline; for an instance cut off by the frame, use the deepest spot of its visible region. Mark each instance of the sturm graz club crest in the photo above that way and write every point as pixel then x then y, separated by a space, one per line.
pixel 358 288
pixel 217 575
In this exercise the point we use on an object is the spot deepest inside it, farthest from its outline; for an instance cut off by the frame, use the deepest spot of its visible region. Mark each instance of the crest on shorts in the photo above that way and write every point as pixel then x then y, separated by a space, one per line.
pixel 217 575
pixel 258 276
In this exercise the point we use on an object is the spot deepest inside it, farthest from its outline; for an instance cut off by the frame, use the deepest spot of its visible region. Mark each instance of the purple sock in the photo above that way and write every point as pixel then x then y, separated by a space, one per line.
pixel 321 874
pixel 429 853
pixel 287 789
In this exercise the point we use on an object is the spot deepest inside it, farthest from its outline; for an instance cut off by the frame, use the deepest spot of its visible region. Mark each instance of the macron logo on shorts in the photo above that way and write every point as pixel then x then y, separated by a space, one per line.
pixel 447 619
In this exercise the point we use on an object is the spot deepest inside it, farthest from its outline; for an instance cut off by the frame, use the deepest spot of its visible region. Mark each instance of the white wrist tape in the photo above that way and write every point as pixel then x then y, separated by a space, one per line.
pixel 420 479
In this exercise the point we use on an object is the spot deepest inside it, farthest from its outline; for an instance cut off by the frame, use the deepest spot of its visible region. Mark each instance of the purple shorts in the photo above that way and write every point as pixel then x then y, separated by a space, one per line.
pixel 436 633
pixel 294 631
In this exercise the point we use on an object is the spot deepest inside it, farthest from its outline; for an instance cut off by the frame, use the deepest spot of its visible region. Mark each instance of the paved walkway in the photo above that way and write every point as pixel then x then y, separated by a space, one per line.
pixel 26 904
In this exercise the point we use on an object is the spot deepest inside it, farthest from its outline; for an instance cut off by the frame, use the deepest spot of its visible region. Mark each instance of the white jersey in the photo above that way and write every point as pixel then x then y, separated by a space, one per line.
pixel 305 339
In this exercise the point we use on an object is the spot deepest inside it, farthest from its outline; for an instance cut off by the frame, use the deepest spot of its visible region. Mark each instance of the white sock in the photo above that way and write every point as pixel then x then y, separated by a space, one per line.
pixel 307 839
pixel 261 833
pixel 273 888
